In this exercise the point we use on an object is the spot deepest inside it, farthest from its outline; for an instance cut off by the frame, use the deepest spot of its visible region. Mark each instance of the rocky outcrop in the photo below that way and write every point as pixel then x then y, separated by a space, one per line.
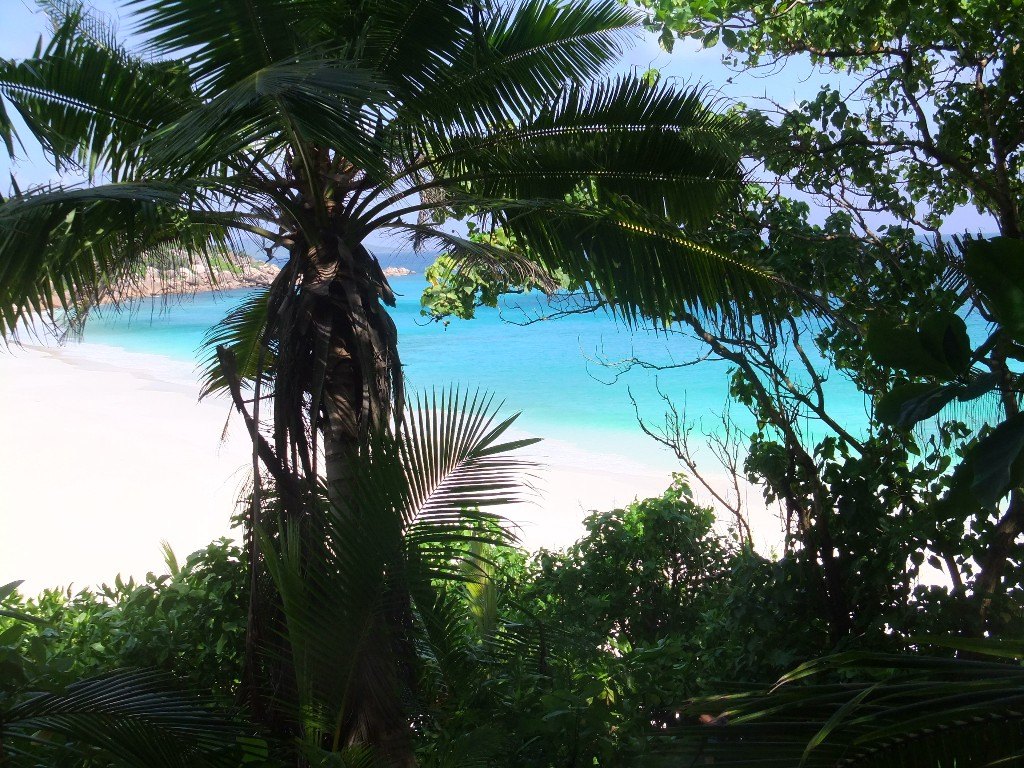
pixel 245 273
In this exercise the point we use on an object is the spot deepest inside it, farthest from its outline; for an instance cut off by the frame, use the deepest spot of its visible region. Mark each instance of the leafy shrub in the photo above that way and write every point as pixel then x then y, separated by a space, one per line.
pixel 189 622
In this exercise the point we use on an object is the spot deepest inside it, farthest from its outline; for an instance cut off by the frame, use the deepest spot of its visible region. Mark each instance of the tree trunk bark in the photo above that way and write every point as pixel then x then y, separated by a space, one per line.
pixel 362 392
pixel 362 383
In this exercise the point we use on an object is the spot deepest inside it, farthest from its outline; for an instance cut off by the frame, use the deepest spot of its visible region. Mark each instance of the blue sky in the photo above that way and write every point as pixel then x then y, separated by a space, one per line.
pixel 21 24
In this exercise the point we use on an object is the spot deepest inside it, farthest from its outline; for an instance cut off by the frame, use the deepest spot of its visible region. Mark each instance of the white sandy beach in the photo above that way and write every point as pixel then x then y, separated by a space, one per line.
pixel 105 453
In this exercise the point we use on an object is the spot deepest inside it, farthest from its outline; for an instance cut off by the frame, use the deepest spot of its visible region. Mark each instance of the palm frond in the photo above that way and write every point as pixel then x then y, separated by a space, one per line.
pixel 661 148
pixel 638 263
pixel 303 100
pixel 64 248
pixel 481 590
pixel 226 42
pixel 442 613
pixel 134 717
pixel 88 101
pixel 906 711
pixel 413 42
pixel 501 265
pixel 455 473
pixel 610 184
pixel 242 331
pixel 524 55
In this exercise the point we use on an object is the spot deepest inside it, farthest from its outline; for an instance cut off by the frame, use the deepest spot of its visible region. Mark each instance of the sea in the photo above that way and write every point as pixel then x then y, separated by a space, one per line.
pixel 567 376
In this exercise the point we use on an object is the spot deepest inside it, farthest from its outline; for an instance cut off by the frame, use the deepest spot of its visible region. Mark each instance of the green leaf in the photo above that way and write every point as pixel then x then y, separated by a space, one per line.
pixel 907 404
pixel 997 461
pixel 944 336
pixel 938 347
pixel 997 268
pixel 8 589
pixel 666 40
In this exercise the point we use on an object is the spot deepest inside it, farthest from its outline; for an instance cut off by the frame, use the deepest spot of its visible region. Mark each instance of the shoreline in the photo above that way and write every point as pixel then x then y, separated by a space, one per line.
pixel 112 450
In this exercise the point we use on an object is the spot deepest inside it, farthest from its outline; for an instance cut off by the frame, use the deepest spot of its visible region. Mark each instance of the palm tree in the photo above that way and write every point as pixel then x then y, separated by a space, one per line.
pixel 366 588
pixel 313 125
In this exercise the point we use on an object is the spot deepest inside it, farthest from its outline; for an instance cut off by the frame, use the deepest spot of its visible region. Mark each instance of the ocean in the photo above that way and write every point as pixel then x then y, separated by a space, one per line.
pixel 555 372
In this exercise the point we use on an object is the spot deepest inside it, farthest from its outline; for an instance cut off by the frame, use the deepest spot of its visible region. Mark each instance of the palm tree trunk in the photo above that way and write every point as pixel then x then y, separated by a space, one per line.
pixel 362 381
pixel 338 378
pixel 361 392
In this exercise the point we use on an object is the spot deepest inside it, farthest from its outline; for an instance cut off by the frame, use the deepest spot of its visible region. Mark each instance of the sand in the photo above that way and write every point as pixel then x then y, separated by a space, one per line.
pixel 105 453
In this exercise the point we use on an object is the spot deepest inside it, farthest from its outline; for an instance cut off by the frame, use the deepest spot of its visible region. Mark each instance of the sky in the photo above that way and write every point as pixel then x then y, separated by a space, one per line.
pixel 21 24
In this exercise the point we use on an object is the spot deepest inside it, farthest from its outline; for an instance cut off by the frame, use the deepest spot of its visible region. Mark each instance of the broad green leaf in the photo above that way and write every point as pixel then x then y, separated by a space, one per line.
pixel 907 404
pixel 997 268
pixel 944 336
pixel 899 347
pixel 997 461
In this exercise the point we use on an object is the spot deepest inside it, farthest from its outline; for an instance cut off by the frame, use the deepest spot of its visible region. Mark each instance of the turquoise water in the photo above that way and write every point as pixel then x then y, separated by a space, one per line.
pixel 550 370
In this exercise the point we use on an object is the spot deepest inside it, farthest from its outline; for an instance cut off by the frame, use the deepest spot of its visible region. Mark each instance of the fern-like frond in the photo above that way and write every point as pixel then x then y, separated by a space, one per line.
pixel 905 710
pixel 226 42
pixel 304 100
pixel 242 331
pixel 88 101
pixel 134 718
pixel 523 55
pixel 504 265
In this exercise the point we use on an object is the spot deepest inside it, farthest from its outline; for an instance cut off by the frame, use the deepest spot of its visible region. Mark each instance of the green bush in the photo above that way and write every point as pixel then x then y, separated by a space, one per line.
pixel 189 622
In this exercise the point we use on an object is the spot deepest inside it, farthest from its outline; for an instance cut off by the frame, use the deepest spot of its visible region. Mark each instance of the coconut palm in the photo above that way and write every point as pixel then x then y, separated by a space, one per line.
pixel 315 125
pixel 365 588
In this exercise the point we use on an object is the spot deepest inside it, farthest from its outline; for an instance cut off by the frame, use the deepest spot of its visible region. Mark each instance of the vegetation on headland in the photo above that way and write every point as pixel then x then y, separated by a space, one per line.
pixel 381 620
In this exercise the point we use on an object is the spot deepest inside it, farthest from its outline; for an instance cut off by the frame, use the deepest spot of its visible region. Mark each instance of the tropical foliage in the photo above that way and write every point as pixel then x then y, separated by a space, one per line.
pixel 376 612
pixel 362 585
pixel 902 710
pixel 309 127
pixel 111 715
pixel 188 623
pixel 920 102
